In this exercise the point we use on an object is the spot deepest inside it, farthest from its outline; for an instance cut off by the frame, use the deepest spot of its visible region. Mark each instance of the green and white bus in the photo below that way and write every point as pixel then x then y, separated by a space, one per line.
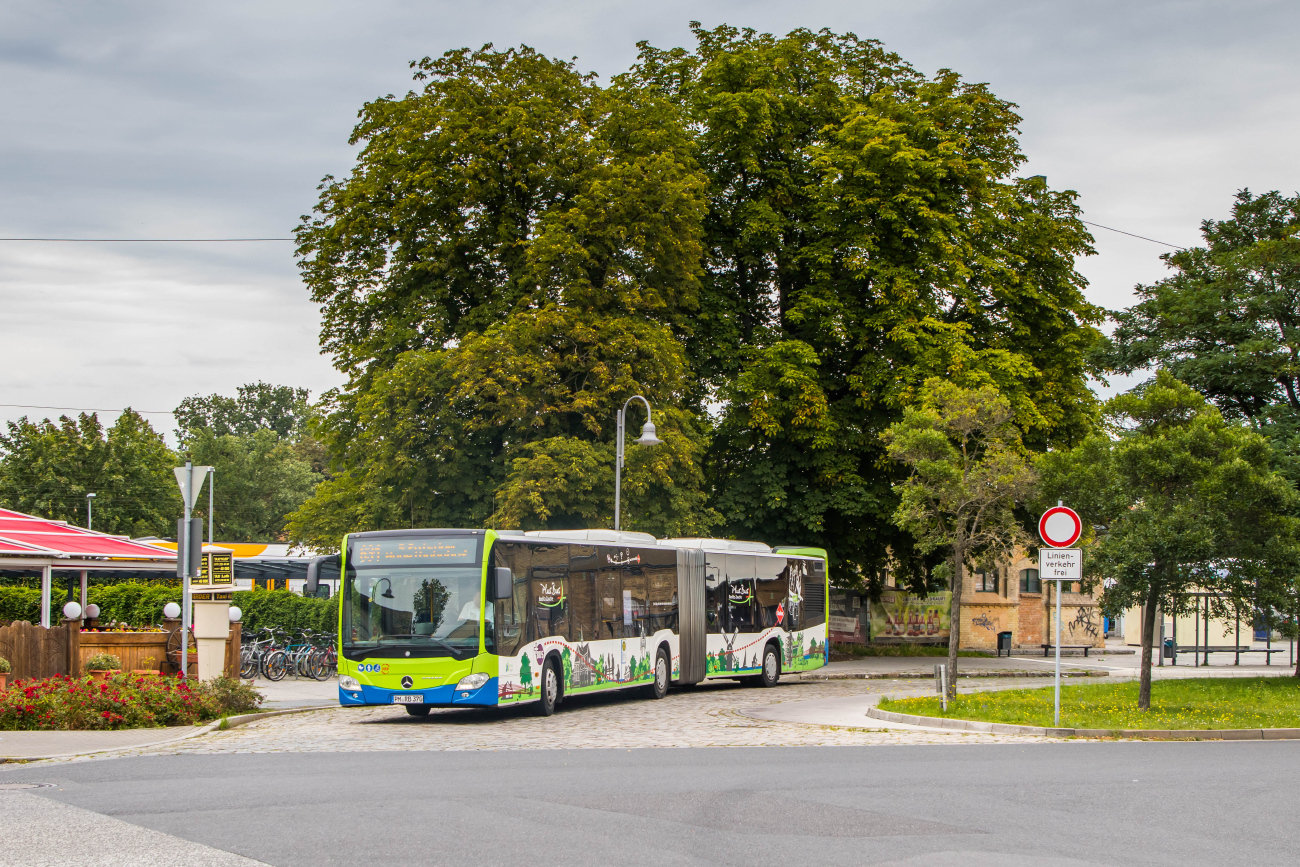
pixel 448 618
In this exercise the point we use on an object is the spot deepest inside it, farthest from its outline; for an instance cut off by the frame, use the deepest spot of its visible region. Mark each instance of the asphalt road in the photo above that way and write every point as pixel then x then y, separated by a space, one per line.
pixel 1043 804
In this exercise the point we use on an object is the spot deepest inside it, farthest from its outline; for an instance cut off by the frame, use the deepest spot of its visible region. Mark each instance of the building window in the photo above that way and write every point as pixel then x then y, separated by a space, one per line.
pixel 986 581
pixel 1029 582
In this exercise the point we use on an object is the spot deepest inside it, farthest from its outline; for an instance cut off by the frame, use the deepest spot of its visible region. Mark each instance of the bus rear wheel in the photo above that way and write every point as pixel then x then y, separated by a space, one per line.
pixel 418 709
pixel 550 698
pixel 662 675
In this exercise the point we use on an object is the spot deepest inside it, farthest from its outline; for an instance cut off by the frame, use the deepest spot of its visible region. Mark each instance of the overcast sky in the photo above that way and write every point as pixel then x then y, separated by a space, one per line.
pixel 147 120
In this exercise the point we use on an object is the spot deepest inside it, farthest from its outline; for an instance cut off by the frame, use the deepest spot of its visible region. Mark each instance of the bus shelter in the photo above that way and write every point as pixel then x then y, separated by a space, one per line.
pixel 29 544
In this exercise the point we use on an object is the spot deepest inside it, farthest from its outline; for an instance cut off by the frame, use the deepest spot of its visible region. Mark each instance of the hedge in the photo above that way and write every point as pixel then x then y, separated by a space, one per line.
pixel 142 605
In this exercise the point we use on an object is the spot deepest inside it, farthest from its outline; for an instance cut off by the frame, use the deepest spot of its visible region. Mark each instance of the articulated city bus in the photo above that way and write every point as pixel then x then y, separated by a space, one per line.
pixel 438 618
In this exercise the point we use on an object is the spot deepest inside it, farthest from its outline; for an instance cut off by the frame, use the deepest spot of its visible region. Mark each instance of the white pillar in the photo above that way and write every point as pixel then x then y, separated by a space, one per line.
pixel 45 595
pixel 85 580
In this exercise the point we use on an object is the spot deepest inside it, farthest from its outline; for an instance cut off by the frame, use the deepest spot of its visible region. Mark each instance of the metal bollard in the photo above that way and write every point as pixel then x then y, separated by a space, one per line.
pixel 941 684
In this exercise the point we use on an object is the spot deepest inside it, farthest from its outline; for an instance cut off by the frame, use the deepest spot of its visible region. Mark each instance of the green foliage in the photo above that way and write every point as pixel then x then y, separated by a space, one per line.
pixel 799 231
pixel 1191 703
pixel 5 667
pixel 123 701
pixel 257 406
pixel 865 233
pixel 103 662
pixel 133 604
pixel 285 609
pixel 47 470
pixel 260 478
pixel 1188 502
pixel 20 603
pixel 1227 321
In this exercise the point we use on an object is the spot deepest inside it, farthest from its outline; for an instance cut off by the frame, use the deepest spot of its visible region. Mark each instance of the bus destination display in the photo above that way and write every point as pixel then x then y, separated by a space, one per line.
pixel 430 551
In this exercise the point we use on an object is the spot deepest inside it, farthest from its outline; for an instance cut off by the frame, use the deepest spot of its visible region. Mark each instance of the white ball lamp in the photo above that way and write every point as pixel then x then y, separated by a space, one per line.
pixel 235 614
pixel 72 611
pixel 171 611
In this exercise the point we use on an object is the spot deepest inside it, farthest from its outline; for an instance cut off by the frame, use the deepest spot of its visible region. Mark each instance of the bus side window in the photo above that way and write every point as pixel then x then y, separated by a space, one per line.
pixel 548 594
pixel 814 594
pixel 635 607
pixel 509 613
pixel 661 589
pixel 583 611
pixel 740 594
pixel 770 592
pixel 609 594
pixel 715 594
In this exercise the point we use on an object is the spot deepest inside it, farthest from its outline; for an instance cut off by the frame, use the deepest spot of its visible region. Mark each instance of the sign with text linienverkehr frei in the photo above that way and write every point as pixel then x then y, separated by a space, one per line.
pixel 1060 564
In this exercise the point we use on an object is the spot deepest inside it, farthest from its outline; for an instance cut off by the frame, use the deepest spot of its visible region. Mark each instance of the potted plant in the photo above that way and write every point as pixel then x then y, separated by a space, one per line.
pixel 5 668
pixel 101 665
pixel 150 667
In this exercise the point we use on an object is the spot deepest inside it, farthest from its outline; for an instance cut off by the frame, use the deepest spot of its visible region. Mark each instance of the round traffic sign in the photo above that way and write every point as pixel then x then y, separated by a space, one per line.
pixel 1060 527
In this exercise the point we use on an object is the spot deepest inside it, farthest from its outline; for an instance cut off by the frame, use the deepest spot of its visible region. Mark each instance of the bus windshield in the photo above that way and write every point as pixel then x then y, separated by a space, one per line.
pixel 417 597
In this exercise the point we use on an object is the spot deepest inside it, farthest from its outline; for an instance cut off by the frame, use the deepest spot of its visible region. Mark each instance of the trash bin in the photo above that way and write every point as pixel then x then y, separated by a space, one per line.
pixel 1169 648
pixel 1004 643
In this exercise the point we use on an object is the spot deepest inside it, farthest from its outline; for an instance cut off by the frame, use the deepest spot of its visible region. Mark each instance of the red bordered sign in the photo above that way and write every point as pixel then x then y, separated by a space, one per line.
pixel 1060 527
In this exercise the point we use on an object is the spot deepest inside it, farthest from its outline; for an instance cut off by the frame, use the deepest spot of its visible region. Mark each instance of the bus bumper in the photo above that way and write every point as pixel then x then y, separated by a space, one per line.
pixel 438 696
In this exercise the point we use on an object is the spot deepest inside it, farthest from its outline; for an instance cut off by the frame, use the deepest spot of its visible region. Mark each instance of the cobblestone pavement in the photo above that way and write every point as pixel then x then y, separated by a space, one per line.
pixel 706 716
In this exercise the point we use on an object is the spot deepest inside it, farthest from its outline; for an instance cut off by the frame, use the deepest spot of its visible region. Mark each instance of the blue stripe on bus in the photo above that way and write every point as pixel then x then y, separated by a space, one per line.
pixel 444 696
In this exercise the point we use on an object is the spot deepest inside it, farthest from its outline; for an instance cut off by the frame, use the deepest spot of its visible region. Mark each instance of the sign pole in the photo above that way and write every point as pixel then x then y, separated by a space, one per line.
pixel 1058 653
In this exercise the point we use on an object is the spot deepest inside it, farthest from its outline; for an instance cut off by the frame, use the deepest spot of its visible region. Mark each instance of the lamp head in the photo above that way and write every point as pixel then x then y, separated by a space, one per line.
pixel 648 437
pixel 388 591
pixel 90 496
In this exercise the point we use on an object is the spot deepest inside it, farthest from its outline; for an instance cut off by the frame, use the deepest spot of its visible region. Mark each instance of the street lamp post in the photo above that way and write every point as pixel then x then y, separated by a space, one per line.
pixel 648 438
pixel 90 512
pixel 212 483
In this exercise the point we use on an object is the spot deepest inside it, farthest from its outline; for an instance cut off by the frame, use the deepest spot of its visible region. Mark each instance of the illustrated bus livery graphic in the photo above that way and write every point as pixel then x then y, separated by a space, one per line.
pixel 434 618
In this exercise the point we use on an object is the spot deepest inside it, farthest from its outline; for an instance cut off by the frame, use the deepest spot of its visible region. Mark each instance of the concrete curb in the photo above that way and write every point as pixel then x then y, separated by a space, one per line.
pixel 962 725
pixel 231 722
pixel 961 675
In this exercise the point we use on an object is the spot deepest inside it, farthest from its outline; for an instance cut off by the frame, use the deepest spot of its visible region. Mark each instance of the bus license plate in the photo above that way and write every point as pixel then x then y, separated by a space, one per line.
pixel 408 699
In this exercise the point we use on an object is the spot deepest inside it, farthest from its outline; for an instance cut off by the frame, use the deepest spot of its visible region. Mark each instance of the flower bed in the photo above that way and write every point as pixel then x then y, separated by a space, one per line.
pixel 122 701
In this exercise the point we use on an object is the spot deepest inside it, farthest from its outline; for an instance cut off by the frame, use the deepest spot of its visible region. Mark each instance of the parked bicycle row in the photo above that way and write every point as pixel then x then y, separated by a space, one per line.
pixel 276 653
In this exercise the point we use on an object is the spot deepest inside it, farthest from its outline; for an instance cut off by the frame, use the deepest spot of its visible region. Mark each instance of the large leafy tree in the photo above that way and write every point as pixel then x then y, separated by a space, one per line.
pixel 865 232
pixel 1227 320
pixel 47 469
pixel 1188 502
pixel 967 473
pixel 516 252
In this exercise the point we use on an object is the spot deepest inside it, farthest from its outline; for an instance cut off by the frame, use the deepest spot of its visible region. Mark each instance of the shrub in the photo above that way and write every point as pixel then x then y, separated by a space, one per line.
pixel 20 603
pixel 5 667
pixel 286 610
pixel 105 662
pixel 121 702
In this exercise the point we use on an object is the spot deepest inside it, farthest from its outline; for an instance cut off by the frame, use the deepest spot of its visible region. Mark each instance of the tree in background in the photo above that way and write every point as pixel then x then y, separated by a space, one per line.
pixel 865 232
pixel 260 479
pixel 515 253
pixel 266 463
pixel 256 406
pixel 1188 502
pixel 47 470
pixel 968 472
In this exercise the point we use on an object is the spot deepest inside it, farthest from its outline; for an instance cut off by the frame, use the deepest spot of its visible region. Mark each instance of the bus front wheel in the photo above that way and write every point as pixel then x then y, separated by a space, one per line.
pixel 418 709
pixel 662 674
pixel 550 698
pixel 771 667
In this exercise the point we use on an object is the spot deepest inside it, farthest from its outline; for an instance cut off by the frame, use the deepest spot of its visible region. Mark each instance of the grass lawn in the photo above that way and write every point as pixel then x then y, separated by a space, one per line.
pixel 900 650
pixel 1199 703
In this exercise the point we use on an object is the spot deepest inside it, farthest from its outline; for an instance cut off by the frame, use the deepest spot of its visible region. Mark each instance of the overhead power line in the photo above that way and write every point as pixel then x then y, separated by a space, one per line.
pixel 1131 235
pixel 150 240
pixel 89 409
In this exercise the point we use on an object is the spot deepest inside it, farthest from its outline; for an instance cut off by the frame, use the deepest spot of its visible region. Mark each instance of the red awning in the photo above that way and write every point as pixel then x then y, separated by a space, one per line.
pixel 27 534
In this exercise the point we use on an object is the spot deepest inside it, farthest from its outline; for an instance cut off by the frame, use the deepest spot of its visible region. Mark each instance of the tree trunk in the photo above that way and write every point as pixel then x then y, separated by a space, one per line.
pixel 1148 638
pixel 954 621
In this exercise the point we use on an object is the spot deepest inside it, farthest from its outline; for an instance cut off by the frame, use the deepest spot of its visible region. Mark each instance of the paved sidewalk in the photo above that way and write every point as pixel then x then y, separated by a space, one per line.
pixel 294 692
pixel 873 667
pixel 27 745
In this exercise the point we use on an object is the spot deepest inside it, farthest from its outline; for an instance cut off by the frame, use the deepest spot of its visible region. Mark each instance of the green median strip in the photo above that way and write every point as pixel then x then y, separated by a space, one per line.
pixel 1203 703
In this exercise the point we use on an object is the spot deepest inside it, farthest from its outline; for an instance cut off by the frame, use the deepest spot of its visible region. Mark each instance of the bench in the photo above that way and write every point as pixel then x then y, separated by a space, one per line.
pixel 1084 647
pixel 1195 649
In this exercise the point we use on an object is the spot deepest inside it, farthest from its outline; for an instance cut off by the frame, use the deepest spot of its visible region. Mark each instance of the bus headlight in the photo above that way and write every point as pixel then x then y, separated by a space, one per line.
pixel 348 683
pixel 473 681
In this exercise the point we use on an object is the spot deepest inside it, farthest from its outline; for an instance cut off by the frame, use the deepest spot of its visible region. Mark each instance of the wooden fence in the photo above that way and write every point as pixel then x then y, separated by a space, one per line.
pixel 35 651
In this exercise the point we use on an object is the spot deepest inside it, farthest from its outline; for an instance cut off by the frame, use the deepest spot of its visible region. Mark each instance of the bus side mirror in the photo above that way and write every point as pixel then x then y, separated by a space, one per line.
pixel 504 587
pixel 311 588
